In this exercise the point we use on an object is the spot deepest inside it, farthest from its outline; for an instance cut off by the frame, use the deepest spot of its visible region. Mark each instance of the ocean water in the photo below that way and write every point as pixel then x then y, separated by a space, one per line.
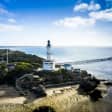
pixel 65 54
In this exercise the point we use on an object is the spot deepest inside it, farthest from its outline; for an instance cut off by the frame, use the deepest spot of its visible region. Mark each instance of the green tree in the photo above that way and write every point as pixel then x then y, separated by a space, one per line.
pixel 3 72
pixel 21 68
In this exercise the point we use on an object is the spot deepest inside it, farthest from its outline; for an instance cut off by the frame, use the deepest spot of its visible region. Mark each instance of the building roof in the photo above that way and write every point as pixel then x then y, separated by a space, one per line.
pixel 67 65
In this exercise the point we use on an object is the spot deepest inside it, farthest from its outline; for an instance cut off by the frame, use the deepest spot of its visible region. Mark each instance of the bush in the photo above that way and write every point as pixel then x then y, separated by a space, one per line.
pixel 55 77
pixel 95 95
pixel 24 67
pixel 3 73
pixel 39 91
pixel 88 85
pixel 21 68
pixel 44 109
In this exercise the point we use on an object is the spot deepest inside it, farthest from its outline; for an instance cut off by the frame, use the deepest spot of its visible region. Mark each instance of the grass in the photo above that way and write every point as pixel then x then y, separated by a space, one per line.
pixel 68 101
pixel 14 108
pixel 60 102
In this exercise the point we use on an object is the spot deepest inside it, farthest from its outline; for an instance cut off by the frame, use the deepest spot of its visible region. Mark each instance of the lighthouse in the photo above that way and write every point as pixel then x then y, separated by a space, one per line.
pixel 48 50
pixel 49 63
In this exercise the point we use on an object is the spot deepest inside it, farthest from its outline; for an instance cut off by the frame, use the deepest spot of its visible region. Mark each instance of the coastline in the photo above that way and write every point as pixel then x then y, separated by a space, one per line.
pixel 62 95
pixel 72 54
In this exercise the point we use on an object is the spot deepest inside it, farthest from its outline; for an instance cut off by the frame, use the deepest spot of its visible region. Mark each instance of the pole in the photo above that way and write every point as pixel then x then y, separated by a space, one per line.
pixel 7 57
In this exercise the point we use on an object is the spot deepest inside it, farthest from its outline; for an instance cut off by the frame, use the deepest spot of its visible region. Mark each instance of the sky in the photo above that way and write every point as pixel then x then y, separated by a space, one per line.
pixel 64 22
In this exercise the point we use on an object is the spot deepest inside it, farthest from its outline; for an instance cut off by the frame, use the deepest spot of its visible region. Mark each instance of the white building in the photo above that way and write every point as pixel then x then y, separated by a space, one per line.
pixel 49 64
pixel 68 67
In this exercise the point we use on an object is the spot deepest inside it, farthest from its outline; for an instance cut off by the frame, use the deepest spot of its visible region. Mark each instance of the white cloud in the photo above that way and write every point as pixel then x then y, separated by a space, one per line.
pixel 102 15
pixel 93 17
pixel 75 22
pixel 6 27
pixel 3 11
pixel 82 6
pixel 12 20
pixel 94 6
pixel 90 7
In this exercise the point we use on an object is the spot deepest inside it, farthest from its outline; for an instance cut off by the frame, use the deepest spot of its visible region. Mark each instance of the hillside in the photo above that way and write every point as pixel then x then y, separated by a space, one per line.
pixel 68 100
pixel 18 56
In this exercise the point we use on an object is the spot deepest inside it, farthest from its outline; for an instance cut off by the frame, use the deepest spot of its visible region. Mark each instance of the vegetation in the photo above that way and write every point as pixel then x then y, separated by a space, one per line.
pixel 44 109
pixel 18 56
pixel 3 73
pixel 14 108
pixel 19 64
pixel 20 69
pixel 108 83
pixel 24 63
pixel 9 75
pixel 61 102
pixel 88 85
pixel 95 95
pixel 55 77
pixel 57 103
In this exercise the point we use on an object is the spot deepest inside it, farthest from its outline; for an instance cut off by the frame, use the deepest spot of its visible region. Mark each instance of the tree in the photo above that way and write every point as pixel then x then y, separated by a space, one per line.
pixel 21 68
pixel 3 72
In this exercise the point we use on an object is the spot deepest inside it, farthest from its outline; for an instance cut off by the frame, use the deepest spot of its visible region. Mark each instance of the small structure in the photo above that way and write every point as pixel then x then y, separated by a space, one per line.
pixel 49 64
pixel 11 66
pixel 68 67
pixel 77 70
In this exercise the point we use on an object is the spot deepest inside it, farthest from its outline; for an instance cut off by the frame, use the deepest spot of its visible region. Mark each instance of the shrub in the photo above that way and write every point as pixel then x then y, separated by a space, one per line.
pixel 44 109
pixel 21 68
pixel 3 73
pixel 95 95
pixel 88 85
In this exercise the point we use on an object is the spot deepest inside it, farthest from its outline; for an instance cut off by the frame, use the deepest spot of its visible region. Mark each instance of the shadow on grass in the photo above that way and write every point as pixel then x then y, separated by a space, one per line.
pixel 44 109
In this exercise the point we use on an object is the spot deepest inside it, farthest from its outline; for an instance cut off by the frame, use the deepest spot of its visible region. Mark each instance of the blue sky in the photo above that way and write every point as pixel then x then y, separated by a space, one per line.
pixel 64 22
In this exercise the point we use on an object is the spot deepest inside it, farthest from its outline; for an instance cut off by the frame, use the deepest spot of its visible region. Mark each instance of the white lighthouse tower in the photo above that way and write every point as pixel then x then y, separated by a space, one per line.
pixel 49 64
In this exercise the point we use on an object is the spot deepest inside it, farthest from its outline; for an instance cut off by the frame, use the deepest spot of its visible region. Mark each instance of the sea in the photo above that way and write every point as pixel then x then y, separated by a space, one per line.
pixel 102 70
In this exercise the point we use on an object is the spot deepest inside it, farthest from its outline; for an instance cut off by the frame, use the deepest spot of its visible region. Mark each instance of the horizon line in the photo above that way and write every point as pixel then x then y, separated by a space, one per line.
pixel 52 45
